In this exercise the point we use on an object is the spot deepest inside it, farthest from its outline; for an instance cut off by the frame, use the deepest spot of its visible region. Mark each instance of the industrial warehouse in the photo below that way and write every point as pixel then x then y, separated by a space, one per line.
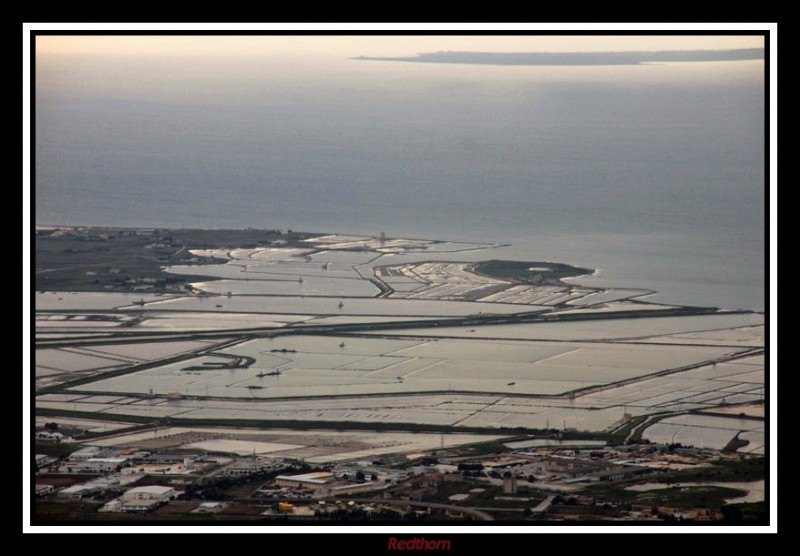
pixel 325 483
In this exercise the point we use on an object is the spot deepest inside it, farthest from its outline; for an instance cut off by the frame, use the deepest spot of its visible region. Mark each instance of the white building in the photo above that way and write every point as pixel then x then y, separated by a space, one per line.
pixel 155 493
pixel 43 460
pixel 143 499
pixel 84 453
pixel 51 436
pixel 42 490
pixel 209 508
pixel 314 481
pixel 243 467
pixel 78 491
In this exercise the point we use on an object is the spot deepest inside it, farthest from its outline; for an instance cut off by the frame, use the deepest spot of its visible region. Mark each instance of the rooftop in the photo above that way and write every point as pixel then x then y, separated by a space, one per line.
pixel 153 489
pixel 320 477
pixel 79 489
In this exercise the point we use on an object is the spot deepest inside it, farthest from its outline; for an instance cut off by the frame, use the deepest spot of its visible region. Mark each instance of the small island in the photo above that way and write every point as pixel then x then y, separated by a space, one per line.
pixel 530 272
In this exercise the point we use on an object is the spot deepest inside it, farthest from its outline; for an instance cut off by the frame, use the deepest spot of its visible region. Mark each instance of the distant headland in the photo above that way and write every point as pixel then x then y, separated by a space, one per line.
pixel 577 58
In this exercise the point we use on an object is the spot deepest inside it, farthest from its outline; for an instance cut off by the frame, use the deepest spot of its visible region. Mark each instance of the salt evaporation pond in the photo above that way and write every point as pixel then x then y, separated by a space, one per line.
pixel 86 301
pixel 592 330
pixel 335 306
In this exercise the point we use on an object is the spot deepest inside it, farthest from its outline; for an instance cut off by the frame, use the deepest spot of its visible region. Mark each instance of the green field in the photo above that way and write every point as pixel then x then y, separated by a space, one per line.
pixel 686 496
pixel 121 260
pixel 537 273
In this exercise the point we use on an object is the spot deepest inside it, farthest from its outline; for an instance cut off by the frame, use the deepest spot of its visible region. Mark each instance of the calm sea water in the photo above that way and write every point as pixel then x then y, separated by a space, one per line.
pixel 652 174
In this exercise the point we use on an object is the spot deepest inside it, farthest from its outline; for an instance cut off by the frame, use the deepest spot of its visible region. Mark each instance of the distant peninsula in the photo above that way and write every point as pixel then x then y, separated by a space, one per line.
pixel 577 58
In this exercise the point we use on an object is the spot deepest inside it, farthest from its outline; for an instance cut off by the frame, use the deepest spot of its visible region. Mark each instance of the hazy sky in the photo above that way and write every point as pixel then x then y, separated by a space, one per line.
pixel 353 45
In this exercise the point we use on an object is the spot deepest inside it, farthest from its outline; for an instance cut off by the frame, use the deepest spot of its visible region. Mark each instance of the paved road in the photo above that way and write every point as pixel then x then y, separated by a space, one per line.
pixel 473 320
pixel 543 505
pixel 483 516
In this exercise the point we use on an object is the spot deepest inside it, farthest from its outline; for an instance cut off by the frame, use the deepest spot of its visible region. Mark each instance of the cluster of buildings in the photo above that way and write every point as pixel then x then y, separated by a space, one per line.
pixel 94 486
pixel 578 467
pixel 52 436
pixel 111 469
pixel 97 460
pixel 98 474
pixel 93 459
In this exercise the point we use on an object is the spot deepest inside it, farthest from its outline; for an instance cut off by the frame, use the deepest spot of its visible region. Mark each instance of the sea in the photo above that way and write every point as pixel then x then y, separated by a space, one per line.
pixel 652 174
